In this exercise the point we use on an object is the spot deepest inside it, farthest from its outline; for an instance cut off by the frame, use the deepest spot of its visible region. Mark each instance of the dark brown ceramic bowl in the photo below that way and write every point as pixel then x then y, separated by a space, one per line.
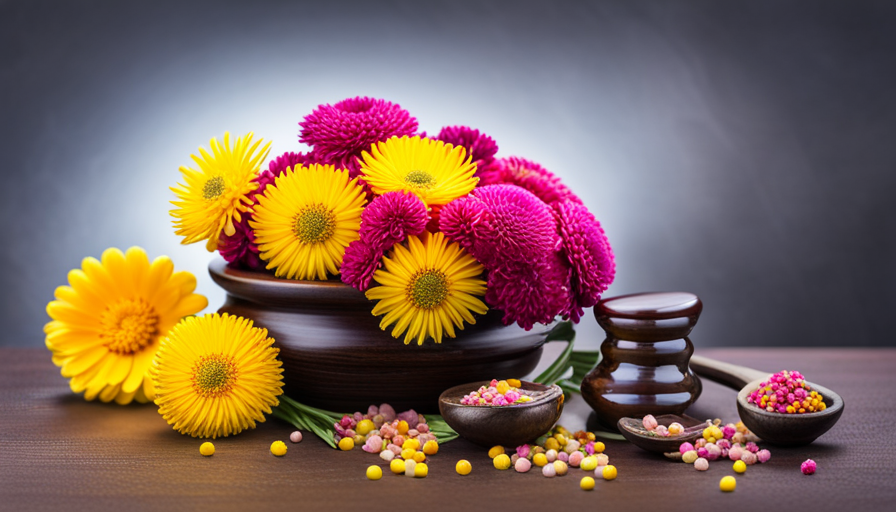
pixel 789 429
pixel 512 425
pixel 336 357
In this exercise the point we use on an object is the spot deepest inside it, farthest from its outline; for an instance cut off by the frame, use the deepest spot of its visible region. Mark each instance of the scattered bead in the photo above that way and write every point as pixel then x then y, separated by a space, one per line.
pixel 522 465
pixel 540 459
pixel 701 464
pixel 278 448
pixel 609 472
pixel 690 457
pixel 551 455
pixel 387 455
pixel 431 447
pixel 295 437
pixel 808 467
pixel 419 457
pixel 675 429
pixel 207 449
pixel 740 466
pixel 560 467
pixel 589 463
pixel 549 471
pixel 551 444
pixel 649 422
pixel 463 467
pixel 421 470
pixel 374 473
pixel 599 447
pixel 346 444
pixel 661 430
pixel 364 426
pixel 502 462
pixel 727 484
pixel 602 459
pixel 749 458
pixel 397 466
pixel 576 459
pixel 495 451
pixel 587 483
pixel 410 467
pixel 763 455
pixel 564 457
pixel 685 447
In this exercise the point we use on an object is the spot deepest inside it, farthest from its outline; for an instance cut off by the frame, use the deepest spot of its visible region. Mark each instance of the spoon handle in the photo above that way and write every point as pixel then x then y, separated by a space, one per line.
pixel 731 375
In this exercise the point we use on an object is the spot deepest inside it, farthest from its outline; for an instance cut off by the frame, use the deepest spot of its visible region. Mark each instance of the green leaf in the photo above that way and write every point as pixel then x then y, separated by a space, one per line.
pixel 563 331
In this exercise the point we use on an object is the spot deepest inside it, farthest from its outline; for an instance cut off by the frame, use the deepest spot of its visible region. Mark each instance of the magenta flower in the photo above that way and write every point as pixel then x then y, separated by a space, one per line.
pixel 339 133
pixel 359 263
pixel 466 220
pixel 391 218
pixel 587 251
pixel 529 175
pixel 530 293
pixel 478 145
pixel 239 249
pixel 289 159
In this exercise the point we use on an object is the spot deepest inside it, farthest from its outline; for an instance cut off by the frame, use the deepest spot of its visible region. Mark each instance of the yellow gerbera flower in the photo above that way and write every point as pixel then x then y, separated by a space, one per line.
pixel 107 323
pixel 216 375
pixel 306 219
pixel 436 172
pixel 216 195
pixel 428 288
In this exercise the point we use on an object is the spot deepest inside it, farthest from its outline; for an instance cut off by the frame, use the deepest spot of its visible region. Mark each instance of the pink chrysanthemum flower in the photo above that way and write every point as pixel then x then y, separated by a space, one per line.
pixel 520 227
pixel 529 175
pixel 359 263
pixel 586 248
pixel 289 159
pixel 338 133
pixel 239 249
pixel 466 220
pixel 479 145
pixel 391 218
pixel 530 293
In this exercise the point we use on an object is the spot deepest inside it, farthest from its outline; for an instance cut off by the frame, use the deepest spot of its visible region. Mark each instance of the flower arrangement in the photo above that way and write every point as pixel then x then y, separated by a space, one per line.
pixel 436 230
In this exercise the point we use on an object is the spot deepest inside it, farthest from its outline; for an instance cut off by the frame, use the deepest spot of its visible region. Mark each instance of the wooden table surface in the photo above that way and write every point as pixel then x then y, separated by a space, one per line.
pixel 58 452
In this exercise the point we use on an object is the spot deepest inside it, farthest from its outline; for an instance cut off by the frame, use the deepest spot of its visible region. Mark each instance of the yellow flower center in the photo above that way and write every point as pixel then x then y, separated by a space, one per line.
pixel 213 188
pixel 428 288
pixel 128 326
pixel 214 375
pixel 314 224
pixel 420 179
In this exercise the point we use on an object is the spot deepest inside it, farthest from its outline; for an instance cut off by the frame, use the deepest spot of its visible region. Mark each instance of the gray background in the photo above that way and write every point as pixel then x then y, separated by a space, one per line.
pixel 740 150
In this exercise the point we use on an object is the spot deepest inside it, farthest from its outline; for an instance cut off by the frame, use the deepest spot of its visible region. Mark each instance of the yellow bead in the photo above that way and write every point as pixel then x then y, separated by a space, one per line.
pixel 408 453
pixel 561 439
pixel 675 429
pixel 503 387
pixel 552 444
pixel 609 472
pixel 413 444
pixel 587 483
pixel 707 433
pixel 589 463
pixel 403 427
pixel 717 433
pixel 728 483
pixel 374 473
pixel 790 409
pixel 495 451
pixel 207 449
pixel 514 382
pixel 397 466
pixel 359 439
pixel 539 459
pixel 364 426
pixel 740 466
pixel 421 470
pixel 502 461
pixel 278 448
pixel 419 457
pixel 346 444
pixel 463 467
pixel 822 406
pixel 431 447
pixel 599 447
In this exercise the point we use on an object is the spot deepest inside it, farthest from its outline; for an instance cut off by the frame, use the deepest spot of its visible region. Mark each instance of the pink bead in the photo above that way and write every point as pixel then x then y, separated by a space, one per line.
pixel 373 411
pixel 374 444
pixel 413 433
pixel 713 452
pixel 394 448
pixel 649 422
pixel 808 467
pixel 563 456
pixel 575 459
pixel 685 447
pixel 551 455
pixel 749 458
pixel 701 464
pixel 423 428
pixel 549 471
pixel 572 446
pixel 735 452
pixel 699 443
pixel 753 447
pixel 763 455
pixel 522 465
pixel 662 430
pixel 702 451
pixel 388 412
pixel 398 439
pixel 296 437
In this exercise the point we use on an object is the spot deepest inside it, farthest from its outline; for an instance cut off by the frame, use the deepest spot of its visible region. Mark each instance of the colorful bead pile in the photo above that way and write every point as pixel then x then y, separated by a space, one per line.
pixel 382 431
pixel 498 392
pixel 732 442
pixel 786 392
pixel 653 427
pixel 556 453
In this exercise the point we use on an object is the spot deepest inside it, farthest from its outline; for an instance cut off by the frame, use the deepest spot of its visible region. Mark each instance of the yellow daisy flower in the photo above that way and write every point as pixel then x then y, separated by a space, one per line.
pixel 215 196
pixel 428 288
pixel 108 322
pixel 436 172
pixel 305 220
pixel 216 375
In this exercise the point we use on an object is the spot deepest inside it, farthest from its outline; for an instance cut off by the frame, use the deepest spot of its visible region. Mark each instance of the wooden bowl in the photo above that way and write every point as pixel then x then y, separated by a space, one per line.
pixel 512 425
pixel 633 430
pixel 336 357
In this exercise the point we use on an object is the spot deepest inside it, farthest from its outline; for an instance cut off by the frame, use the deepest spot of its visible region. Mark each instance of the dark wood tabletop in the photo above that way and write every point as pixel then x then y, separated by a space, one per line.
pixel 58 452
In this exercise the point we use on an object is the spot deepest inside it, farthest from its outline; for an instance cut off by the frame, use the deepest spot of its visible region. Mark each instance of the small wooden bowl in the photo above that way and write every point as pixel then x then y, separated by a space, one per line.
pixel 633 430
pixel 513 425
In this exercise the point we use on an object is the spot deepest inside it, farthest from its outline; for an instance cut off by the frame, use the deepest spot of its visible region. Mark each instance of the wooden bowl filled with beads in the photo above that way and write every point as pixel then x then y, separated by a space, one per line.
pixel 336 357
pixel 505 425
